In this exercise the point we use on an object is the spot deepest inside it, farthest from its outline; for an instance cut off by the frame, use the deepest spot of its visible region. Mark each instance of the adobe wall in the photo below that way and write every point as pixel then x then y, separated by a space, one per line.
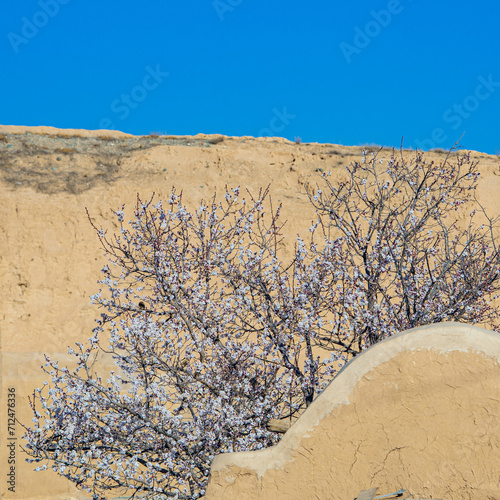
pixel 418 411
pixel 50 257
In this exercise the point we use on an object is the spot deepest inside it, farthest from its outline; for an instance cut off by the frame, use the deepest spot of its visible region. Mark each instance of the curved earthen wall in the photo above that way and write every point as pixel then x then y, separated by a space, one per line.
pixel 418 411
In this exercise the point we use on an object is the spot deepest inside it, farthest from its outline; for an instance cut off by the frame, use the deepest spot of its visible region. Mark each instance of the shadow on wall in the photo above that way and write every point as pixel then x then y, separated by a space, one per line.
pixel 416 412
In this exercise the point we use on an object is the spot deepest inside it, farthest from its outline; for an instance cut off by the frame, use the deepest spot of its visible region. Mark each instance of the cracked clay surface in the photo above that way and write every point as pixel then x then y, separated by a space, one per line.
pixel 426 421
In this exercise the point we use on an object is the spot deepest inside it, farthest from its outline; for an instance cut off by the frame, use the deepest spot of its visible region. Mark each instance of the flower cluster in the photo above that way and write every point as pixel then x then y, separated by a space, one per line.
pixel 211 335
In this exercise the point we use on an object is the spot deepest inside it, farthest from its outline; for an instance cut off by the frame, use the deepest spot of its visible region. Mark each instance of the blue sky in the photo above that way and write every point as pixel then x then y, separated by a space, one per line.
pixel 358 72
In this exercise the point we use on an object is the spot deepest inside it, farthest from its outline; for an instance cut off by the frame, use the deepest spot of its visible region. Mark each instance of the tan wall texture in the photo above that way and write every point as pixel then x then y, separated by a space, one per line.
pixel 50 257
pixel 418 411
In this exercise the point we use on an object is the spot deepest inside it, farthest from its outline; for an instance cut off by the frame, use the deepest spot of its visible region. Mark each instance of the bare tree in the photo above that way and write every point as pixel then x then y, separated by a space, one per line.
pixel 213 336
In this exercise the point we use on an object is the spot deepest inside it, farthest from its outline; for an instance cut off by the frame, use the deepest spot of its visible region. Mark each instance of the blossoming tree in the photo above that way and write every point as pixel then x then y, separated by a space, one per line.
pixel 214 337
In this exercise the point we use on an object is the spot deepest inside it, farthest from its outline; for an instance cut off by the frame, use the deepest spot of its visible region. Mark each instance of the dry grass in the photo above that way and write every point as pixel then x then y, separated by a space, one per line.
pixel 216 140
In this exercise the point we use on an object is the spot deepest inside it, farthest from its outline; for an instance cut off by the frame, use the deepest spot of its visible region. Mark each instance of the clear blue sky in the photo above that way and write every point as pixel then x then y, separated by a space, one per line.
pixel 355 72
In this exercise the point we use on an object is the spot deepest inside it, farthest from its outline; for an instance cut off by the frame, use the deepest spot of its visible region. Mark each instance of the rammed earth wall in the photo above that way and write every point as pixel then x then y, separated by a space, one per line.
pixel 50 258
